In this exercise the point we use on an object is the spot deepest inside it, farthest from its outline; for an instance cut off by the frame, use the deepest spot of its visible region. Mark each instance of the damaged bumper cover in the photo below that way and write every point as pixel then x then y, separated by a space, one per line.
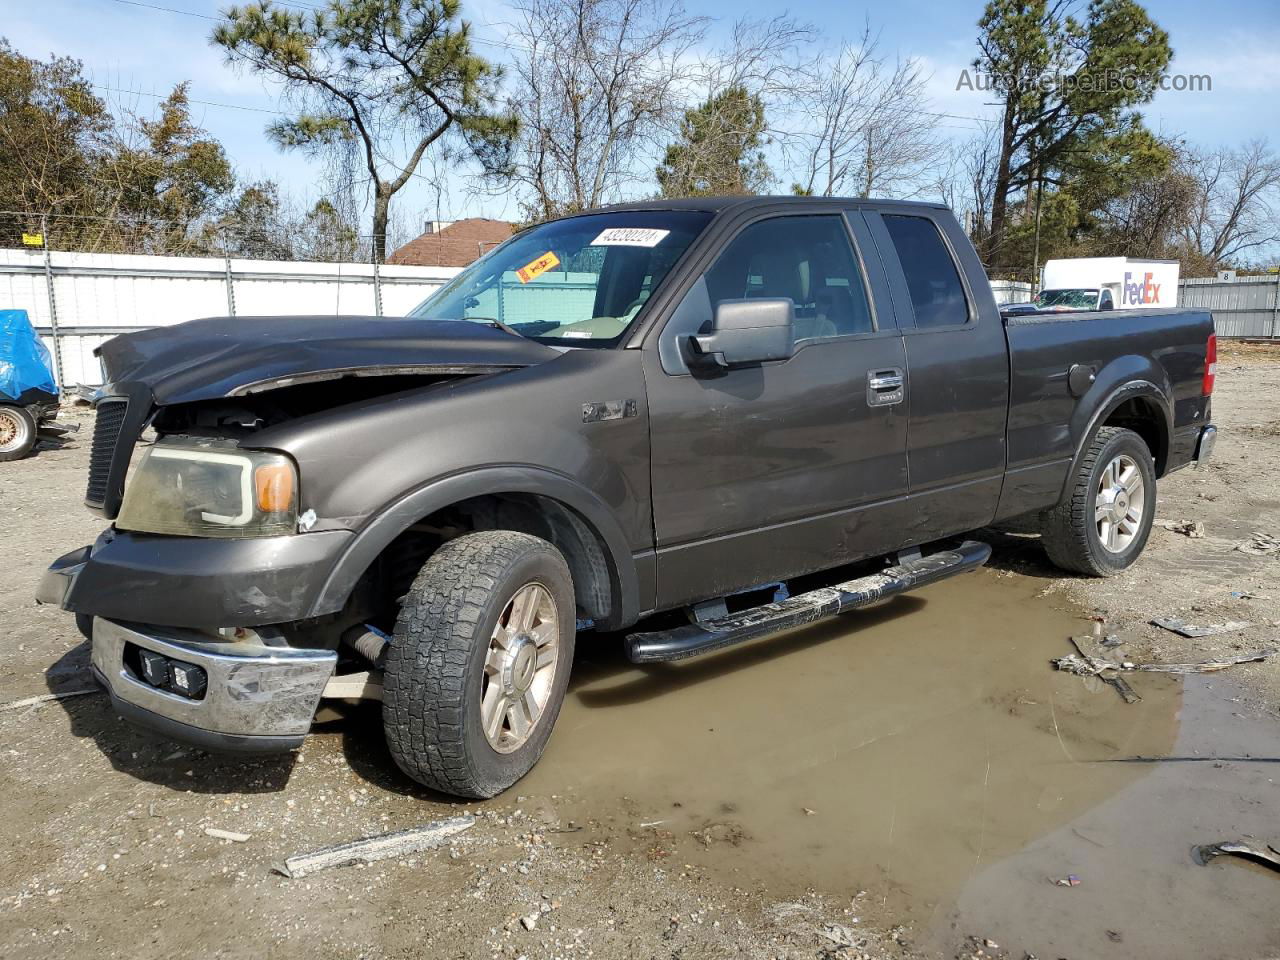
pixel 257 699
pixel 195 582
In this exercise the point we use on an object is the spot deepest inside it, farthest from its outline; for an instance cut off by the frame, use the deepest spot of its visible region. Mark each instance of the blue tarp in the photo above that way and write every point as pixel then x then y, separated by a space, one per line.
pixel 24 361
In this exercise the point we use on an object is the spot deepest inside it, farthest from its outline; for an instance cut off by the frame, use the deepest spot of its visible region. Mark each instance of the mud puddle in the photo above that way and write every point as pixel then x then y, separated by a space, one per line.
pixel 899 752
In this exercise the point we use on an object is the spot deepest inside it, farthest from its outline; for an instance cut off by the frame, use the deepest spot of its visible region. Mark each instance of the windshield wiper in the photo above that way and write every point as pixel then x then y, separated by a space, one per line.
pixel 505 327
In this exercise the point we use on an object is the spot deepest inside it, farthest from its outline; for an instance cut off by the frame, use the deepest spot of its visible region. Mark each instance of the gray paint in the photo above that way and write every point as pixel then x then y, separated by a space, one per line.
pixel 720 481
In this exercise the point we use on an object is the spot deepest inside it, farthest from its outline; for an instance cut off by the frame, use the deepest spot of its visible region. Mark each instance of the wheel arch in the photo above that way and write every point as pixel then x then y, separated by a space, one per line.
pixel 527 499
pixel 1139 405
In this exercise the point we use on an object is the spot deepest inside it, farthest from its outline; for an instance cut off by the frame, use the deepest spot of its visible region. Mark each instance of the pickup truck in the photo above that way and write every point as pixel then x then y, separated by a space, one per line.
pixel 674 425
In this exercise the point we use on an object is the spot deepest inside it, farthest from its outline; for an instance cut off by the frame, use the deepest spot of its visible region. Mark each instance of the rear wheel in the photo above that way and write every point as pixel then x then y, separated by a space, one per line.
pixel 17 432
pixel 1102 526
pixel 479 663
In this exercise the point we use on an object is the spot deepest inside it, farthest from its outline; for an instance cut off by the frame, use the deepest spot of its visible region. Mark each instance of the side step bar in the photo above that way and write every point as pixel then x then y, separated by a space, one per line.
pixel 692 640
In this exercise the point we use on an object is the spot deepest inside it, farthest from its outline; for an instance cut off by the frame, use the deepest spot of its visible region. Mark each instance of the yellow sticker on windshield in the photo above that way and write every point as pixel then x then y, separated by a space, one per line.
pixel 538 267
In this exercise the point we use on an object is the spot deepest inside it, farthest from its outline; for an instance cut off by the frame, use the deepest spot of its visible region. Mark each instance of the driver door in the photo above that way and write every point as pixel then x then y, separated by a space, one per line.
pixel 769 471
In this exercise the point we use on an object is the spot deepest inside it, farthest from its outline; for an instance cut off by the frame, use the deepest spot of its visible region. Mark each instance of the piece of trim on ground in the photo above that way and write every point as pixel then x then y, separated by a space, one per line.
pixel 1190 631
pixel 1267 855
pixel 44 698
pixel 399 844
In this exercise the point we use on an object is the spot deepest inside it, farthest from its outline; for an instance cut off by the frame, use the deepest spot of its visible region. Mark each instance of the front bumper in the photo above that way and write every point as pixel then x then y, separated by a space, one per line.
pixel 193 581
pixel 258 698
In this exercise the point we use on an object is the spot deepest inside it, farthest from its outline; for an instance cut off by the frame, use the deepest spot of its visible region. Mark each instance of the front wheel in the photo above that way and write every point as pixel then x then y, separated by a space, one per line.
pixel 479 662
pixel 1103 524
pixel 17 432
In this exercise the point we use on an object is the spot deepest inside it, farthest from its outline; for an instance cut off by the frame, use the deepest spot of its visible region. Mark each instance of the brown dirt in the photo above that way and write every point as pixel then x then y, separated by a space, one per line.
pixel 1209 579
pixel 895 784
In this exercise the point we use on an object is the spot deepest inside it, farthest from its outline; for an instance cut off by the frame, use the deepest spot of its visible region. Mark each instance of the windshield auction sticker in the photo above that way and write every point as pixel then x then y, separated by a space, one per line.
pixel 538 267
pixel 629 237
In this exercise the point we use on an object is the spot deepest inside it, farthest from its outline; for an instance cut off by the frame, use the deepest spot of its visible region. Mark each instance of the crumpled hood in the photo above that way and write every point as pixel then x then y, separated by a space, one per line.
pixel 227 356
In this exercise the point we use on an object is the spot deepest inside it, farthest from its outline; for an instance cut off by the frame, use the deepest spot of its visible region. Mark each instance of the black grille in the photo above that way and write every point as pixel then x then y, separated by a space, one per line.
pixel 106 431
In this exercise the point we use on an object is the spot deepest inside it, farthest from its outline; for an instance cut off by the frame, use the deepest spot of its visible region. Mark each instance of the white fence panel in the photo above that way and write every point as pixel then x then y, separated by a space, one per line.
pixel 1010 291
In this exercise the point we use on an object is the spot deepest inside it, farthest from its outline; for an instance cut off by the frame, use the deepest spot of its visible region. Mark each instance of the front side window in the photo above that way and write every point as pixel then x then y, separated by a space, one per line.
pixel 575 282
pixel 937 294
pixel 809 260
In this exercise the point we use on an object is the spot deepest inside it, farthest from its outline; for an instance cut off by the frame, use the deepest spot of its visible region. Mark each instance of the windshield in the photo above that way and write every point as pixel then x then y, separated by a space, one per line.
pixel 577 281
pixel 1068 299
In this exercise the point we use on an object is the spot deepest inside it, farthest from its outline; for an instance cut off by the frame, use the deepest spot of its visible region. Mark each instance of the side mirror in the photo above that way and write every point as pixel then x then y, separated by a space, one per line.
pixel 746 331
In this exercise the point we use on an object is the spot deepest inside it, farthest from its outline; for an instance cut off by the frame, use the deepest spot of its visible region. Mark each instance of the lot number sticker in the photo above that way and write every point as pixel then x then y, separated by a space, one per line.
pixel 538 267
pixel 629 237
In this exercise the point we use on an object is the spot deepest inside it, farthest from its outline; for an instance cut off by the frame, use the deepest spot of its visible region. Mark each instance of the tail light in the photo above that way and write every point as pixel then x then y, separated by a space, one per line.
pixel 1210 364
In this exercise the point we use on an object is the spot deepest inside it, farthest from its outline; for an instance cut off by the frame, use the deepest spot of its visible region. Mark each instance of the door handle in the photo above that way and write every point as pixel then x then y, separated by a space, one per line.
pixel 885 387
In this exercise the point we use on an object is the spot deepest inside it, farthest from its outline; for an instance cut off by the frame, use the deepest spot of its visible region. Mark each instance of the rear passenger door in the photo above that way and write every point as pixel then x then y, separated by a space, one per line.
pixel 958 369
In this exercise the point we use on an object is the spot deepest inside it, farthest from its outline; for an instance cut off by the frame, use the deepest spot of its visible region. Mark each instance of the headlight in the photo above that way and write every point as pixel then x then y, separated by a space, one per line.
pixel 211 489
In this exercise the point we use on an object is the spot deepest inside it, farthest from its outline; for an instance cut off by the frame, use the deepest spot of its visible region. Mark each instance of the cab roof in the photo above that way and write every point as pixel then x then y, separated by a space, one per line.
pixel 720 204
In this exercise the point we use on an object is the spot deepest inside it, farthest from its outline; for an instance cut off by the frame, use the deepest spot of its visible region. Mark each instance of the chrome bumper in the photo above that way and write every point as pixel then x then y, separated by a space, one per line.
pixel 1204 446
pixel 258 698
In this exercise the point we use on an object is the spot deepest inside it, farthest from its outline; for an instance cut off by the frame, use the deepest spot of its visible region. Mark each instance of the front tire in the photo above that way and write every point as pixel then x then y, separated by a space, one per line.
pixel 17 432
pixel 479 662
pixel 1102 526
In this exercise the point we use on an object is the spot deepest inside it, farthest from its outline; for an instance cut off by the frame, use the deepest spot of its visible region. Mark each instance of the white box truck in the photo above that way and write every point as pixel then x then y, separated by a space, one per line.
pixel 1108 283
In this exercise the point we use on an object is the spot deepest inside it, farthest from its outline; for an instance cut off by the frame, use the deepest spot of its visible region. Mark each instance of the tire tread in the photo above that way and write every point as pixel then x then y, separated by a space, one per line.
pixel 426 670
pixel 1064 529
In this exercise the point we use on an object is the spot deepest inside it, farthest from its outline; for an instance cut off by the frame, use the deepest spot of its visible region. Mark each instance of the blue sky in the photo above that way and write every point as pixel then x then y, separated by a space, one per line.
pixel 128 47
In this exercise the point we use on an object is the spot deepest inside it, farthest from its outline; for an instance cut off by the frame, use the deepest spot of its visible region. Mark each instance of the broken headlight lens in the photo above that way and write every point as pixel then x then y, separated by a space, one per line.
pixel 211 489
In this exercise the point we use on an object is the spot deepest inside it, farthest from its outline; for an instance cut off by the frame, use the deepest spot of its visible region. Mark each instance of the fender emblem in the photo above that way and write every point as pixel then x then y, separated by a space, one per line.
pixel 608 410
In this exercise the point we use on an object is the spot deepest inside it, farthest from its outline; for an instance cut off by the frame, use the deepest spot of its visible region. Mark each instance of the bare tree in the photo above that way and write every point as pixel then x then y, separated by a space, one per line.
pixel 1237 201
pixel 869 129
pixel 597 82
pixel 966 179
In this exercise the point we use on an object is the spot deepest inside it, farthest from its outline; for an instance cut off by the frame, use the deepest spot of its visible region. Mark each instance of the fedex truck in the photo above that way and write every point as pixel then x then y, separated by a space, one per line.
pixel 1108 283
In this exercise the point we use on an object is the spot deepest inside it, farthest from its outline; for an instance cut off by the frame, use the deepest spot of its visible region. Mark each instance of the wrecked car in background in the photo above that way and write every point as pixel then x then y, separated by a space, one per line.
pixel 667 406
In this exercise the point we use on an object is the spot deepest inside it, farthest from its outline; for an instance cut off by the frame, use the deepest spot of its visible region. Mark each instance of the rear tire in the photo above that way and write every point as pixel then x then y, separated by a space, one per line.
pixel 17 432
pixel 479 663
pixel 1102 525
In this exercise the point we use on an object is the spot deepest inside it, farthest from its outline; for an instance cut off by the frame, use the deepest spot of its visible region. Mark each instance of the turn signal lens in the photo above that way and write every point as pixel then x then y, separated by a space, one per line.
pixel 273 487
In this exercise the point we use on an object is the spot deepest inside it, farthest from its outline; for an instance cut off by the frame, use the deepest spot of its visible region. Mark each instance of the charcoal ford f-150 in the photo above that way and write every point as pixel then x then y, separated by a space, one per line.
pixel 698 421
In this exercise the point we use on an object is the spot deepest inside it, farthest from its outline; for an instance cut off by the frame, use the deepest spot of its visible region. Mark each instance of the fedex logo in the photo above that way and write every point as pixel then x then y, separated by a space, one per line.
pixel 1139 292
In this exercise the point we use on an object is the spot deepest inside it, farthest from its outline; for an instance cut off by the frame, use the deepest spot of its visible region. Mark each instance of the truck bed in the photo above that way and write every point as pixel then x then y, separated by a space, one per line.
pixel 1117 356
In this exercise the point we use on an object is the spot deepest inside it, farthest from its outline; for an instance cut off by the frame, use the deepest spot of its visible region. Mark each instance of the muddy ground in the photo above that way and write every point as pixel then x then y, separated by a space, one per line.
pixel 911 781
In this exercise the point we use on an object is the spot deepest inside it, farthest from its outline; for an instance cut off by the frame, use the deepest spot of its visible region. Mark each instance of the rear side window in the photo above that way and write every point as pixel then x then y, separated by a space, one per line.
pixel 932 279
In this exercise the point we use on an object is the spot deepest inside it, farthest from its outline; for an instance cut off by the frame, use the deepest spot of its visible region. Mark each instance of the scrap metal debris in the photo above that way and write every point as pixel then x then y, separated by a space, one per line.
pixel 1188 528
pixel 368 850
pixel 49 698
pixel 840 935
pixel 1184 629
pixel 1086 666
pixel 1083 665
pixel 1260 545
pixel 1268 856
